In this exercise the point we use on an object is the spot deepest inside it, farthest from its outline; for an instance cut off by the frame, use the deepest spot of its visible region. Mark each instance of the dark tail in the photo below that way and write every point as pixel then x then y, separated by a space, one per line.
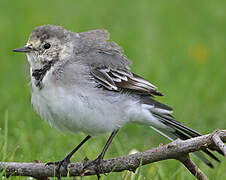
pixel 182 132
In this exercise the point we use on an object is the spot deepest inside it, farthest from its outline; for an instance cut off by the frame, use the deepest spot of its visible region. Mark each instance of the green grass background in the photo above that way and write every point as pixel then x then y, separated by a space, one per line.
pixel 180 46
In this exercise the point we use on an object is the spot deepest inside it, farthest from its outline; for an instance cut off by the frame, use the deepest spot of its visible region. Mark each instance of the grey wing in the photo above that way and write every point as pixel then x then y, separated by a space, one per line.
pixel 110 69
pixel 109 66
pixel 123 79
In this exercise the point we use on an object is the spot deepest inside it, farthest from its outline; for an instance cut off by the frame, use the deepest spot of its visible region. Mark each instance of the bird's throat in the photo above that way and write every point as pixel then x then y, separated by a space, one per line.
pixel 39 74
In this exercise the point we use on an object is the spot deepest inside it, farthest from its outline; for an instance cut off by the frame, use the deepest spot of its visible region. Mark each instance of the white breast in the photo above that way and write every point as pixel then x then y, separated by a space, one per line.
pixel 78 110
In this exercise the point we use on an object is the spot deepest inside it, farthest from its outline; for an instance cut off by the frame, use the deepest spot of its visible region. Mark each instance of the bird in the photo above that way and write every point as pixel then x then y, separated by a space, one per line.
pixel 82 82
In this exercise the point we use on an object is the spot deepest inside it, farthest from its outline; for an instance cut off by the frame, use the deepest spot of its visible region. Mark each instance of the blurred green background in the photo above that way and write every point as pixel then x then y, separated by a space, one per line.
pixel 180 46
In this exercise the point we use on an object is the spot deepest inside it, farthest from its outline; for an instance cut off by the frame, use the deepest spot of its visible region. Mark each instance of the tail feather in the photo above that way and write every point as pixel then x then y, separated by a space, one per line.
pixel 175 129
pixel 210 154
pixel 171 122
pixel 203 158
pixel 168 119
pixel 184 137
pixel 177 134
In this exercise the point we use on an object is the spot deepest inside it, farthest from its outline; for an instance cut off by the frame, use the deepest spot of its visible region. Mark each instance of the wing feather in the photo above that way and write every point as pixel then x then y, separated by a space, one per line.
pixel 119 79
pixel 104 79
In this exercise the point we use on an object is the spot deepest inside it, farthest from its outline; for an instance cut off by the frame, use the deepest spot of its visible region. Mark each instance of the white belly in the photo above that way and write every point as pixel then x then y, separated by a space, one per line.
pixel 78 111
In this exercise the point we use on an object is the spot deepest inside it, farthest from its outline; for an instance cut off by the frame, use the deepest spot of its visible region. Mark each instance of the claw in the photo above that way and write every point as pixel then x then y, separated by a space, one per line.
pixel 66 160
pixel 97 163
pixel 58 164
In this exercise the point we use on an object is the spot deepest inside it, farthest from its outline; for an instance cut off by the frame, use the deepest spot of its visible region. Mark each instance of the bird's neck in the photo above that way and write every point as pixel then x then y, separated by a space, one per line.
pixel 39 74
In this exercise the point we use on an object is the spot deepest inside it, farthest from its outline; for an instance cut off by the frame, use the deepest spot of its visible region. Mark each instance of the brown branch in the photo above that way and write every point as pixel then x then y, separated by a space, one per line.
pixel 191 166
pixel 219 143
pixel 177 149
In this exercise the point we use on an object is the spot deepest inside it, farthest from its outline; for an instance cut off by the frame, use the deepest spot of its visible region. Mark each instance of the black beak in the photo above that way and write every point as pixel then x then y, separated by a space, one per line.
pixel 23 49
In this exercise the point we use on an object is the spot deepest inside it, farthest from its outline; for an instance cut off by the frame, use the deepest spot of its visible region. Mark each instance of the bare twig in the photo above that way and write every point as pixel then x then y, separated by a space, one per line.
pixel 177 149
pixel 191 166
pixel 218 142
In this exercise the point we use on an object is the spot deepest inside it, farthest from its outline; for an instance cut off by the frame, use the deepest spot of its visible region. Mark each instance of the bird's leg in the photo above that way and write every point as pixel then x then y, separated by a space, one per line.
pixel 98 161
pixel 66 160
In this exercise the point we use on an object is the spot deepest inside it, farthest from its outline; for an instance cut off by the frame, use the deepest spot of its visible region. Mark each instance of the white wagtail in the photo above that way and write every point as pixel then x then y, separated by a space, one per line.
pixel 82 83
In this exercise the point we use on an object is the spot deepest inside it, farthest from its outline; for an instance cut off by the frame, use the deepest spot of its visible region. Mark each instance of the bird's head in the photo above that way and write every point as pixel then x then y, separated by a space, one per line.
pixel 46 45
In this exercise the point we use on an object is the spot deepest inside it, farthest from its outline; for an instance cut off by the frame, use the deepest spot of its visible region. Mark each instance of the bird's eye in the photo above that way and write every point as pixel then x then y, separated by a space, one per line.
pixel 46 46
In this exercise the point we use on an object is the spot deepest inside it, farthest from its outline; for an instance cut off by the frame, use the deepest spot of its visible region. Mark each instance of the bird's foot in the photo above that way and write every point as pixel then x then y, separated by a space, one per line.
pixel 58 164
pixel 97 164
